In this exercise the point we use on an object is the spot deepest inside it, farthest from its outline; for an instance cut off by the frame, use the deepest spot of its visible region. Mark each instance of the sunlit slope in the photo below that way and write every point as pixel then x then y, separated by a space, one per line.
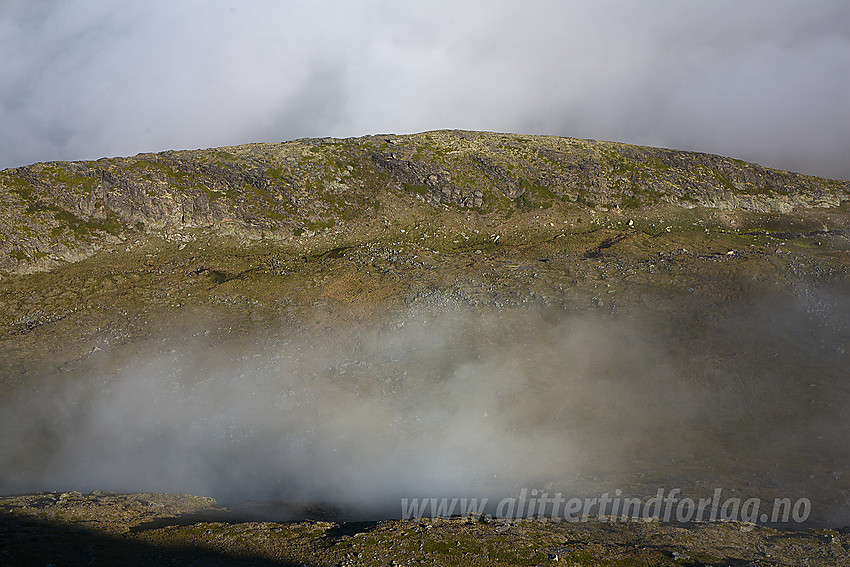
pixel 316 194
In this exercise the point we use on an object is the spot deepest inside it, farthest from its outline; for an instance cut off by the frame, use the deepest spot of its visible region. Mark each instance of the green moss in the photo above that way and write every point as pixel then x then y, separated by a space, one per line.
pixel 583 199
pixel 19 186
pixel 86 227
pixel 418 189
pixel 274 173
pixel 59 176
pixel 321 224
pixel 535 196
pixel 152 170
pixel 630 202
pixel 213 194
pixel 589 558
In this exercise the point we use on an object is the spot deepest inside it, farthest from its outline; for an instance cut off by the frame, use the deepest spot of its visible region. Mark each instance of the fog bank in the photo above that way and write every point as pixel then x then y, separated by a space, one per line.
pixel 462 403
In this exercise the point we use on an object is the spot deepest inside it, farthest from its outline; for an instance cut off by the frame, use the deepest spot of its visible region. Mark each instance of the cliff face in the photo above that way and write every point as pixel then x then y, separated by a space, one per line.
pixel 294 191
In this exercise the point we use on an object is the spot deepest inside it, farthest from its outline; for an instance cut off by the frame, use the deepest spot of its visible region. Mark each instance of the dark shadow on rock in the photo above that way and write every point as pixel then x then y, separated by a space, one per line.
pixel 29 541
pixel 256 511
pixel 191 519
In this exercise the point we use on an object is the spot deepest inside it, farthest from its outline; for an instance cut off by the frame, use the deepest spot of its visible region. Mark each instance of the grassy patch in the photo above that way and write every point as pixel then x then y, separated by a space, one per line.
pixel 418 189
pixel 18 254
pixel 60 176
pixel 535 196
pixel 631 202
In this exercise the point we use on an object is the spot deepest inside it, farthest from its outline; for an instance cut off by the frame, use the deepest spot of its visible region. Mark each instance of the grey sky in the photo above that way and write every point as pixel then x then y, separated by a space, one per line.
pixel 762 80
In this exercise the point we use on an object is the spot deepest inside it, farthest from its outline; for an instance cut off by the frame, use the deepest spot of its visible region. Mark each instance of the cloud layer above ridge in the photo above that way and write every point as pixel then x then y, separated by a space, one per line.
pixel 765 81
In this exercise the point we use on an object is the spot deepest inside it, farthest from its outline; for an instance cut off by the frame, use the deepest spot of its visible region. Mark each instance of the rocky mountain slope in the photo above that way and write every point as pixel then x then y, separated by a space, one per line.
pixel 370 319
pixel 313 193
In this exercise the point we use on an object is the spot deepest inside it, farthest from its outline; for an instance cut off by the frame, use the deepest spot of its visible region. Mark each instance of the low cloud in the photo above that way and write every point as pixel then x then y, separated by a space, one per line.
pixel 766 81
pixel 466 403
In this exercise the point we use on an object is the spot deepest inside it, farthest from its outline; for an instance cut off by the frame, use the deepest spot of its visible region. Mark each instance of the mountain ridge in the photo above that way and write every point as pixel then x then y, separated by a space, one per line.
pixel 318 193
